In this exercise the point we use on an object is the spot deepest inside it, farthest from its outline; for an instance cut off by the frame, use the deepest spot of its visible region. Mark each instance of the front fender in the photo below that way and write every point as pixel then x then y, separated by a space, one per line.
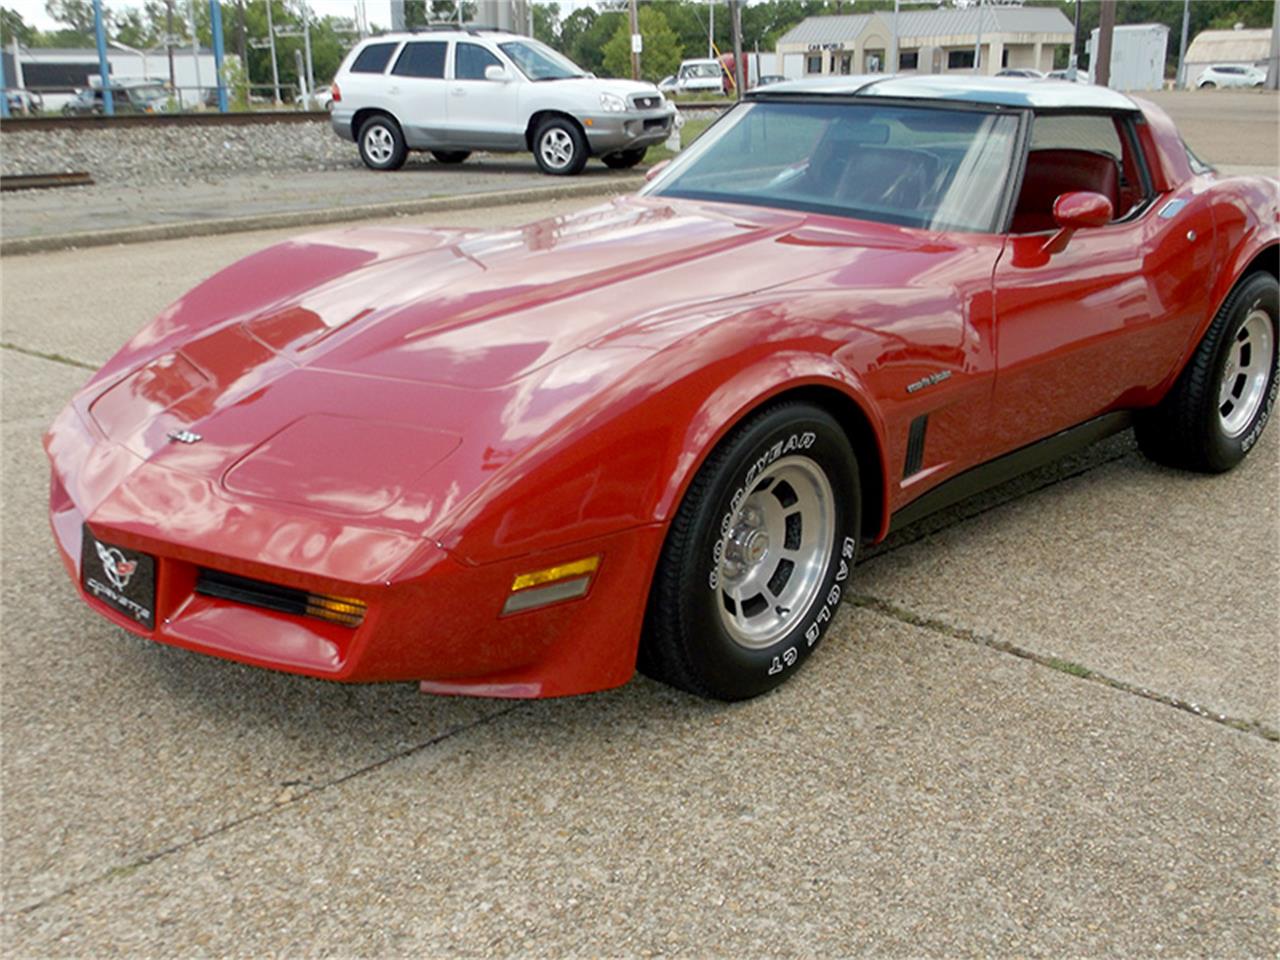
pixel 625 457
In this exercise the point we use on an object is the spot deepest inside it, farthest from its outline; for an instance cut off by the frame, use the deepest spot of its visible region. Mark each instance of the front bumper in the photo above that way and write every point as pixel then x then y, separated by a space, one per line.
pixel 429 617
pixel 615 132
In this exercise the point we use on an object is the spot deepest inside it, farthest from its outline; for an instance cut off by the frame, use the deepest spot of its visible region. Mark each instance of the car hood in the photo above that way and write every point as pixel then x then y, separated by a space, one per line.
pixel 386 375
pixel 586 86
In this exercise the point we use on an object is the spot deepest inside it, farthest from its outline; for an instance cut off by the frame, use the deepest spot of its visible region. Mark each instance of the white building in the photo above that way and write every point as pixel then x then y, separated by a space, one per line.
pixel 1137 56
pixel 929 41
pixel 56 74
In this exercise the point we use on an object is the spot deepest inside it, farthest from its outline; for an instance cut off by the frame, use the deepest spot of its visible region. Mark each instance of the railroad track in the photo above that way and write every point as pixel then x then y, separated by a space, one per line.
pixel 44 181
pixel 212 119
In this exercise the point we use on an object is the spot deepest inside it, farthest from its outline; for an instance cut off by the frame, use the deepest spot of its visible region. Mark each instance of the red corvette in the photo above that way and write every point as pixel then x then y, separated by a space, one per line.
pixel 657 432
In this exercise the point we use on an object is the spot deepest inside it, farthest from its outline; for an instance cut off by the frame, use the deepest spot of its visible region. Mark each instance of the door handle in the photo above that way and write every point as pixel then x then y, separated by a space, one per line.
pixel 393 90
pixel 458 91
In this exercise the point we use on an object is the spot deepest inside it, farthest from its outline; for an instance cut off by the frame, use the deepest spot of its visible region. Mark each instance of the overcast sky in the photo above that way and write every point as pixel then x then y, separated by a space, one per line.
pixel 379 11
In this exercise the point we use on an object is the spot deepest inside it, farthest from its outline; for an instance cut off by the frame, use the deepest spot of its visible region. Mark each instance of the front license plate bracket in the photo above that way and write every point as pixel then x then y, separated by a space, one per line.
pixel 123 580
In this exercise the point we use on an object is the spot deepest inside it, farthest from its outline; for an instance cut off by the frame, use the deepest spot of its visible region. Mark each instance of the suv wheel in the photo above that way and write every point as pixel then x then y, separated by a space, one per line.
pixel 559 147
pixel 382 144
pixel 625 159
pixel 450 156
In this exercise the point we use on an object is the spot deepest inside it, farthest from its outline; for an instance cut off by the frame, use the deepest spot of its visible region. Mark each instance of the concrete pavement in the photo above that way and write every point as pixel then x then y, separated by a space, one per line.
pixel 922 787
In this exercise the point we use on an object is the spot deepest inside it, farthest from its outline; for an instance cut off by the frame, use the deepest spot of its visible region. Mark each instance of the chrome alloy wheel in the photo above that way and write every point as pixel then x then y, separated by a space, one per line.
pixel 556 148
pixel 775 551
pixel 379 144
pixel 1245 373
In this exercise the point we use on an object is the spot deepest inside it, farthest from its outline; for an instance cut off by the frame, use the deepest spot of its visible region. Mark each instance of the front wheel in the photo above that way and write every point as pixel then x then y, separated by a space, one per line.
pixel 450 156
pixel 382 145
pixel 756 560
pixel 1217 410
pixel 559 147
pixel 624 160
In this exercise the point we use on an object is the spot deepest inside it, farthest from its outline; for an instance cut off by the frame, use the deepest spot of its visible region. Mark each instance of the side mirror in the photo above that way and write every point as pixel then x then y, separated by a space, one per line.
pixel 496 73
pixel 656 169
pixel 1076 211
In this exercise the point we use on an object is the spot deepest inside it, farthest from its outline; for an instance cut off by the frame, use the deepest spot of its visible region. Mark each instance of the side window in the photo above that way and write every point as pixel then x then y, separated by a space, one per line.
pixel 422 59
pixel 1074 152
pixel 470 61
pixel 373 58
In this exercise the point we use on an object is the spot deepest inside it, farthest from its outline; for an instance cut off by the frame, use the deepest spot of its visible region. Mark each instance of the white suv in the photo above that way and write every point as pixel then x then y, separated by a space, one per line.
pixel 455 90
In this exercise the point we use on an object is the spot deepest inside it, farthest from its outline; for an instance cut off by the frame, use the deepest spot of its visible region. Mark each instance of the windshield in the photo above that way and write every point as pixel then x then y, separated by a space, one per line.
pixel 538 62
pixel 701 70
pixel 926 167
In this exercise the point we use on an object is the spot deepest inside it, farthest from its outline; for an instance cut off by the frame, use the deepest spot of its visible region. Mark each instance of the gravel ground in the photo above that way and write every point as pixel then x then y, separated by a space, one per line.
pixel 170 155
pixel 138 156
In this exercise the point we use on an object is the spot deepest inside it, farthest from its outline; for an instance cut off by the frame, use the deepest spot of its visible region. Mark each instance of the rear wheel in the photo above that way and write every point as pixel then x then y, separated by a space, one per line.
pixel 755 563
pixel 625 159
pixel 382 144
pixel 1208 85
pixel 559 147
pixel 451 156
pixel 1217 410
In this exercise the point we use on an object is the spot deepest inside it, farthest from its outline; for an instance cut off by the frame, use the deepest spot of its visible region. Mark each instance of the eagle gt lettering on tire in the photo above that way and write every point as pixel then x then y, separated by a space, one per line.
pixel 757 557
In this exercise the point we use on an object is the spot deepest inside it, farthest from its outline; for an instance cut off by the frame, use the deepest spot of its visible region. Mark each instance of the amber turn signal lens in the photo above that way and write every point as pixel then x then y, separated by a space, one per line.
pixel 349 613
pixel 537 578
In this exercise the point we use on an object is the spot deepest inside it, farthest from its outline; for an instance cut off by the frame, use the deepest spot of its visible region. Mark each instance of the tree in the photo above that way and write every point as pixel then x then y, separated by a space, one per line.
pixel 588 49
pixel 546 23
pixel 76 14
pixel 13 27
pixel 662 50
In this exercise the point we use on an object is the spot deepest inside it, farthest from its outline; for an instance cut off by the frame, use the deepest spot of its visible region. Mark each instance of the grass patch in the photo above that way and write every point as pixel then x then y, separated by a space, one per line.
pixel 690 132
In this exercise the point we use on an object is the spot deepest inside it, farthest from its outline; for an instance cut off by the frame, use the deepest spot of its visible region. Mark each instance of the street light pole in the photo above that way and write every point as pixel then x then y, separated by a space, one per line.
pixel 104 65
pixel 275 69
pixel 977 46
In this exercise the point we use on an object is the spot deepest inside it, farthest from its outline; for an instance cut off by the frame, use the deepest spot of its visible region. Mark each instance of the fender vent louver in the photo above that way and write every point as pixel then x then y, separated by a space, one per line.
pixel 915 446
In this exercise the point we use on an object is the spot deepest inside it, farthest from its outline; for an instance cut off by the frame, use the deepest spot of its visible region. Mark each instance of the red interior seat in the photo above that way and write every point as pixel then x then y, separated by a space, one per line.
pixel 1051 173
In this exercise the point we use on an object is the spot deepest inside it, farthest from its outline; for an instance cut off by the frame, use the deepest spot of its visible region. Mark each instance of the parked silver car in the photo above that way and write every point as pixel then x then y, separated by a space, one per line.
pixel 456 90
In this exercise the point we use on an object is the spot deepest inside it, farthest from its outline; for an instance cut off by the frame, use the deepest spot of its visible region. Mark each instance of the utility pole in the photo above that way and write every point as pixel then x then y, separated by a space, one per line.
pixel 1273 59
pixel 1181 79
pixel 977 46
pixel 711 28
pixel 739 73
pixel 275 69
pixel 168 45
pixel 195 50
pixel 893 42
pixel 636 42
pixel 242 40
pixel 306 47
pixel 1073 62
pixel 1102 55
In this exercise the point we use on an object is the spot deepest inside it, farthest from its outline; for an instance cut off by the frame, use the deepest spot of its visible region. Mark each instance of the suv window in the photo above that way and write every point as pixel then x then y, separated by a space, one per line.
pixel 470 61
pixel 422 59
pixel 373 58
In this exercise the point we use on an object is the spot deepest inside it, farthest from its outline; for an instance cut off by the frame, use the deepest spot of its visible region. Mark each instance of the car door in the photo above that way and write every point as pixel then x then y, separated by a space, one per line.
pixel 1100 323
pixel 482 112
pixel 416 86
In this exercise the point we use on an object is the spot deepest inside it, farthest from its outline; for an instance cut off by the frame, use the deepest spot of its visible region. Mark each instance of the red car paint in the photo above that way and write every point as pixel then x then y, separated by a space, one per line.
pixel 412 418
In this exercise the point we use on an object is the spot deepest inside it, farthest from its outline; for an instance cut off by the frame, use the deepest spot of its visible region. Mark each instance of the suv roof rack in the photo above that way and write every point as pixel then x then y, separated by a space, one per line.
pixel 475 29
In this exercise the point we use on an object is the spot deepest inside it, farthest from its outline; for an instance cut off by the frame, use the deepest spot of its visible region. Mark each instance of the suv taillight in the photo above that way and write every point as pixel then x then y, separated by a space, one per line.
pixel 337 94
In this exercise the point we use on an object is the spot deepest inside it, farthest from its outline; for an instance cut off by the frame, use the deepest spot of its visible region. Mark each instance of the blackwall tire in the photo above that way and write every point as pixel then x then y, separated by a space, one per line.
pixel 1222 401
pixel 381 143
pixel 560 148
pixel 757 558
pixel 624 160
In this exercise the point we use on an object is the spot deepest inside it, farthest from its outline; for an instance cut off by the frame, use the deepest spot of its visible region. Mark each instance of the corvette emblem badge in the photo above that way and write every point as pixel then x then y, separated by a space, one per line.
pixel 185 436
pixel 115 566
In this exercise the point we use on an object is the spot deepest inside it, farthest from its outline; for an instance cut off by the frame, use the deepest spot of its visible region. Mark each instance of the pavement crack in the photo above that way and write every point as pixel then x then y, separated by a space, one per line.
pixel 903 615
pixel 42 355
pixel 125 869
